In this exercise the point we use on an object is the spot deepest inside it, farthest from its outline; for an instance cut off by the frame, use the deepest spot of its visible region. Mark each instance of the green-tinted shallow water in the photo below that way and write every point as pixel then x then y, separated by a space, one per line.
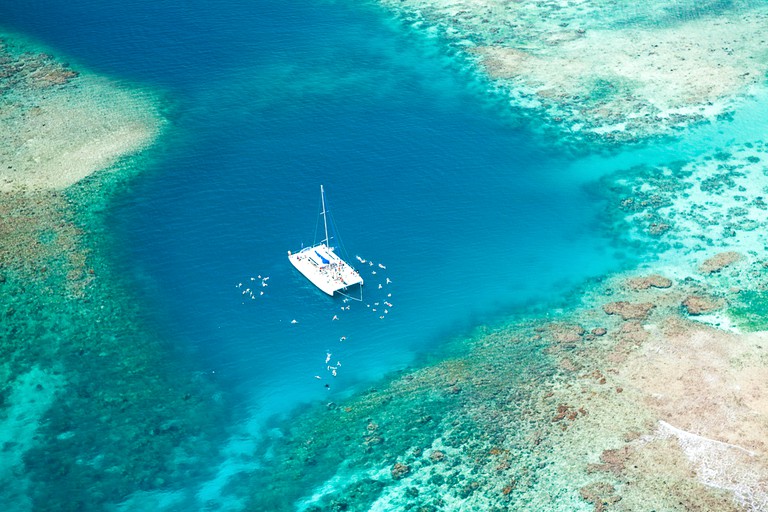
pixel 136 375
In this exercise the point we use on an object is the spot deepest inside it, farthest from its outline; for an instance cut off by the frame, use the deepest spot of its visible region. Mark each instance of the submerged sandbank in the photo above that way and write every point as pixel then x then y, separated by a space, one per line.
pixel 61 125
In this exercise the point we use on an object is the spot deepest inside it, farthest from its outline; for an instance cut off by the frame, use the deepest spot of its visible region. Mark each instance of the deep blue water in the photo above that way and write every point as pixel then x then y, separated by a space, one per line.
pixel 473 214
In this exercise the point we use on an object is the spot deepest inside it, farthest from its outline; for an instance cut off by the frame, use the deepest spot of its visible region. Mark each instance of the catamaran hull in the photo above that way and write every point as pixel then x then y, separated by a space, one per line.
pixel 323 268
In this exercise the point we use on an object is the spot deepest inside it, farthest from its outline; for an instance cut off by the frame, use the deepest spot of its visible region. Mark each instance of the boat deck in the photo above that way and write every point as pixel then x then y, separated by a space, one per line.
pixel 324 268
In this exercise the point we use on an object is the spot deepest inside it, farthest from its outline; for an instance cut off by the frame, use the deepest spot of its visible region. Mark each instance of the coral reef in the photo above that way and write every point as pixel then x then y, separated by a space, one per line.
pixel 61 126
pixel 91 409
pixel 719 261
pixel 628 310
pixel 611 73
pixel 698 305
pixel 712 208
pixel 654 280
pixel 642 395
pixel 528 432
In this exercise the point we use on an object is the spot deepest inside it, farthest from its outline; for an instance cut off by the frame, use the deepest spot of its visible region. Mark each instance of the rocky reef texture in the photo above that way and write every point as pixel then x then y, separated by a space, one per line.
pixel 613 72
pixel 707 214
pixel 90 409
pixel 644 394
pixel 60 126
pixel 585 411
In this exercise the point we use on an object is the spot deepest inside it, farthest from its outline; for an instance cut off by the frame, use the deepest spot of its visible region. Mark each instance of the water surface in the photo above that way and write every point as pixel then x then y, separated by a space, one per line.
pixel 472 213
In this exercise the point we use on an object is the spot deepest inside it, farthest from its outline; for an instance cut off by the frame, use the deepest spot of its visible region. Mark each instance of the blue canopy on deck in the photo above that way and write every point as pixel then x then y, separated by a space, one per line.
pixel 325 261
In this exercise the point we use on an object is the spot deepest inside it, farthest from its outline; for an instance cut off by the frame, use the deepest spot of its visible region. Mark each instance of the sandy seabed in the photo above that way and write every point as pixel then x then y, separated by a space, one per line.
pixel 61 126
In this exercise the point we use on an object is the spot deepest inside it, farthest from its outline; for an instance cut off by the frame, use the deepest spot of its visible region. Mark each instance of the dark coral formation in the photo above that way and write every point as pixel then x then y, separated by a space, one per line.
pixel 27 69
pixel 652 281
pixel 699 305
pixel 628 310
pixel 602 494
pixel 719 261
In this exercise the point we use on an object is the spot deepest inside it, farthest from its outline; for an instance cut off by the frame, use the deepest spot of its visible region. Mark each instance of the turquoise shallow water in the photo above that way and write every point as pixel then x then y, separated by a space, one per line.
pixel 474 213
pixel 467 208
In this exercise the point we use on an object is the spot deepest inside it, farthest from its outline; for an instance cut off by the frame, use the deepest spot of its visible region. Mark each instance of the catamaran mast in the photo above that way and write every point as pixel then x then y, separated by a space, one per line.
pixel 325 220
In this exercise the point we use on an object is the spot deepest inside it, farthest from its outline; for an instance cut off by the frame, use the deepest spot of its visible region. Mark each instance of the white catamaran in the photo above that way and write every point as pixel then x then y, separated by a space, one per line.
pixel 322 266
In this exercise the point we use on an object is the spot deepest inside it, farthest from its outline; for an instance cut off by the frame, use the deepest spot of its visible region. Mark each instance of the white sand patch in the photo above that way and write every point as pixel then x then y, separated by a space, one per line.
pixel 343 478
pixel 723 466
pixel 72 132
pixel 718 321
pixel 705 381
pixel 153 500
